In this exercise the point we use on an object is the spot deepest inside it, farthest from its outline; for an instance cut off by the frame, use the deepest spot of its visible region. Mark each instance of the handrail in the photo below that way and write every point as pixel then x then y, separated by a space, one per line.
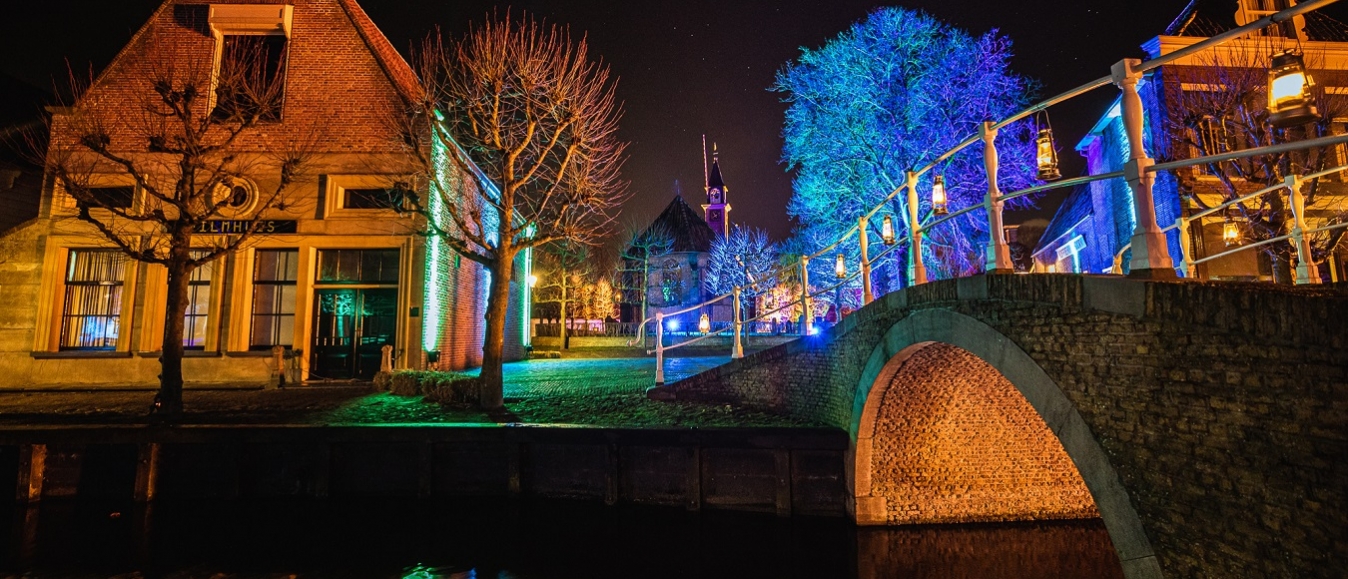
pixel 1276 18
pixel 1265 150
pixel 1262 242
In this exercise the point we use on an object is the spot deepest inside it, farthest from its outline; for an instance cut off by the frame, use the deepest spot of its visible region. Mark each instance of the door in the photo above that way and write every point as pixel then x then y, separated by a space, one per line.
pixel 351 327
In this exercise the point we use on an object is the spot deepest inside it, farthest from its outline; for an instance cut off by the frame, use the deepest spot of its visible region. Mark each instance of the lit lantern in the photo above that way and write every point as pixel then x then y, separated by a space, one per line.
pixel 704 324
pixel 533 280
pixel 1046 151
pixel 887 230
pixel 938 196
pixel 1230 232
pixel 1289 91
pixel 840 267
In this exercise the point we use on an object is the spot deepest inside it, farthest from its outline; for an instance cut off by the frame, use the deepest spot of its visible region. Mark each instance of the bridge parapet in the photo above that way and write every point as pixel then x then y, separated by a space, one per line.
pixel 1219 407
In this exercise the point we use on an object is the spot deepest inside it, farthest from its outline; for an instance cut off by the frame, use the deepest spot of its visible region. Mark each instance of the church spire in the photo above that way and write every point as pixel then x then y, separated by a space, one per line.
pixel 717 209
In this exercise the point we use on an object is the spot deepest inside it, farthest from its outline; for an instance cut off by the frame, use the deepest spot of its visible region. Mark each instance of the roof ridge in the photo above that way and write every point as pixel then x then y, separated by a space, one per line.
pixel 397 69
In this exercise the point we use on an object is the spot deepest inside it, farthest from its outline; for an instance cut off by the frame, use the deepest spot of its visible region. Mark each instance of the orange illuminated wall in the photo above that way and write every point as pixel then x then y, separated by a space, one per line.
pixel 953 441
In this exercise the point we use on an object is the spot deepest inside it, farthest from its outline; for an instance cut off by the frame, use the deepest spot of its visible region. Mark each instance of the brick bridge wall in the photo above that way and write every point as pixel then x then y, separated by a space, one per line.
pixel 1207 419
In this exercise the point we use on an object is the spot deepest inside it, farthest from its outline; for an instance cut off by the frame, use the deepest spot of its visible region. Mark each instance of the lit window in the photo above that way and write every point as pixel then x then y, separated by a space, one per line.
pixel 198 304
pixel 91 317
pixel 274 276
pixel 362 266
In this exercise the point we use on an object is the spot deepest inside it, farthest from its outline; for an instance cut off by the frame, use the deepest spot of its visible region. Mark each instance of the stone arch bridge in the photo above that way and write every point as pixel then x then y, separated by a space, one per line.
pixel 1205 423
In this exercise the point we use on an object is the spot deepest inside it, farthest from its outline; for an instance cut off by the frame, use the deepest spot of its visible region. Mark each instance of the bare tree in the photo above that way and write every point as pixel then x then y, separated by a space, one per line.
pixel 640 247
pixel 517 138
pixel 180 146
pixel 564 270
pixel 1221 106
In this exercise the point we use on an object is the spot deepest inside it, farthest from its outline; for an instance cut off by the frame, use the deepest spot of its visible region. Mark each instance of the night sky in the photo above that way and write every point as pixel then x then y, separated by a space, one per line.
pixel 688 68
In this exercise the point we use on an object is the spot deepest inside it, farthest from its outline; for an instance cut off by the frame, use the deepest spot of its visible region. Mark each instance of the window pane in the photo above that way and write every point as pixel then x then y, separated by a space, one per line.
pixel 368 199
pixel 358 266
pixel 251 78
pixel 93 300
pixel 274 298
pixel 276 265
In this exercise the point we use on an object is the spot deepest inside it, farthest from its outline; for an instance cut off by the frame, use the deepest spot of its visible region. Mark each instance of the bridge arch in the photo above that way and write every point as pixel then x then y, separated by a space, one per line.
pixel 921 330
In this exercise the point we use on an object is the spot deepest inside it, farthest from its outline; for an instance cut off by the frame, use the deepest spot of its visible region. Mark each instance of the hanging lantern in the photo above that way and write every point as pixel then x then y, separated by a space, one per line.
pixel 704 324
pixel 533 280
pixel 1230 231
pixel 887 230
pixel 938 196
pixel 840 267
pixel 1046 151
pixel 1289 91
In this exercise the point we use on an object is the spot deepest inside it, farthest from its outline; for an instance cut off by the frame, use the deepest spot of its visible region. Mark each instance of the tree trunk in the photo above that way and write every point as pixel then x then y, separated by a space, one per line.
pixel 498 298
pixel 564 341
pixel 171 351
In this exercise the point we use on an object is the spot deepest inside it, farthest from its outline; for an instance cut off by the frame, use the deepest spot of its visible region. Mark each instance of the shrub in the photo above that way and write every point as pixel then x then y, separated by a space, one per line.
pixel 456 389
pixel 383 381
pixel 406 383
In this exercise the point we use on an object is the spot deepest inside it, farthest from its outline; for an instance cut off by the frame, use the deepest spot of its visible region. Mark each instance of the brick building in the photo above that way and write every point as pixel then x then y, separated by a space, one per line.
pixel 340 273
pixel 1193 107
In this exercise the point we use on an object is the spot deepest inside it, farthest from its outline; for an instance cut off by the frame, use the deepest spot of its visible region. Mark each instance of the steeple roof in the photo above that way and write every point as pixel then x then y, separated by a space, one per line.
pixel 689 232
pixel 714 179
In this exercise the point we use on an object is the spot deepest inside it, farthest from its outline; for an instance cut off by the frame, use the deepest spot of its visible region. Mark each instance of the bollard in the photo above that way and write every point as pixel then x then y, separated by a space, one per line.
pixel 659 348
pixel 738 351
pixel 278 356
pixel 386 358
pixel 1190 270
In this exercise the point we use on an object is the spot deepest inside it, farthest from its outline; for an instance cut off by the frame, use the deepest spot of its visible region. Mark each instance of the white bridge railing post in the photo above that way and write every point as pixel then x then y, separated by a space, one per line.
pixel 1151 257
pixel 998 253
pixel 867 296
pixel 806 316
pixel 659 348
pixel 738 350
pixel 1306 270
pixel 917 271
pixel 1182 226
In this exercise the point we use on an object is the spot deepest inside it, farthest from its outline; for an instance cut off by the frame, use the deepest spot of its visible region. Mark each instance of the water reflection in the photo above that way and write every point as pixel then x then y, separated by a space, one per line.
pixel 486 539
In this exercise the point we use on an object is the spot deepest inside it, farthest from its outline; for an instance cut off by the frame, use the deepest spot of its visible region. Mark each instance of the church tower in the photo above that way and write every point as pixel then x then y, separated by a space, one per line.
pixel 716 210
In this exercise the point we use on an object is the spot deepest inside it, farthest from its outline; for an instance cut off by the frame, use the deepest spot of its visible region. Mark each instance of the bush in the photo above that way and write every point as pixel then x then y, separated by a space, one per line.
pixel 406 383
pixel 383 381
pixel 456 389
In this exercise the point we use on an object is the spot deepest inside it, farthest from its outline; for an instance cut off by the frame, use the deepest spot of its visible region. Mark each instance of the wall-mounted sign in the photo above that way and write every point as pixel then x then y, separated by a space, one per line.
pixel 237 226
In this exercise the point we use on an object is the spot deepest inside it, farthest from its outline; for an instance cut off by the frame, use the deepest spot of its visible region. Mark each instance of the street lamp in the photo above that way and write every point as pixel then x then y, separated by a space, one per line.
pixel 533 280
pixel 1289 91
pixel 938 195
pixel 1046 155
pixel 840 267
pixel 704 324
pixel 887 230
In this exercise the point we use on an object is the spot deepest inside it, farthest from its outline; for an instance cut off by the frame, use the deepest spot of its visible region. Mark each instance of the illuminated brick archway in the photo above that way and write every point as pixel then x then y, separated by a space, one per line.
pixel 956 335
pixel 945 438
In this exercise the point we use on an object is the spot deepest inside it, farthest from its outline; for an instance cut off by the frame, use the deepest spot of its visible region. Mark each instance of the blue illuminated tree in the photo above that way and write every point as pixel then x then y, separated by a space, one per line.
pixel 891 93
pixel 746 259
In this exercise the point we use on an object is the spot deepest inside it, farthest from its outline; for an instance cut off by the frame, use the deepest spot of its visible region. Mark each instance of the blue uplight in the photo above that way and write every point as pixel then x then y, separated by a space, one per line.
pixel 672 325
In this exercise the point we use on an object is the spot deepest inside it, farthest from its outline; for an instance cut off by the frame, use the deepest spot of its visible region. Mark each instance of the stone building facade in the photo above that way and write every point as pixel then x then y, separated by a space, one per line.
pixel 339 272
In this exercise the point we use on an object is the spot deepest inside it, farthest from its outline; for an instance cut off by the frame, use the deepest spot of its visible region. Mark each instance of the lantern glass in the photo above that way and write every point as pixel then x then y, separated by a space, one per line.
pixel 887 230
pixel 840 267
pixel 1047 155
pixel 1289 91
pixel 938 200
pixel 533 280
pixel 704 324
pixel 1230 232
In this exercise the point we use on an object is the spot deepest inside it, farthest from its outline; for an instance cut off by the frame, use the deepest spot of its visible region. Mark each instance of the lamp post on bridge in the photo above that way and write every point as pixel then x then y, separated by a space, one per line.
pixel 998 253
pixel 917 271
pixel 866 295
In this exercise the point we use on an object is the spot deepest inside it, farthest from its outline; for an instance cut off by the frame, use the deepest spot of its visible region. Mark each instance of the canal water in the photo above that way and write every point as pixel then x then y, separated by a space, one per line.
pixel 395 539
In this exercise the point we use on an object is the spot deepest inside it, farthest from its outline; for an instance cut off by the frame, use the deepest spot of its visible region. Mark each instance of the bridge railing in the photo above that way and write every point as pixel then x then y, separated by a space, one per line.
pixel 1150 251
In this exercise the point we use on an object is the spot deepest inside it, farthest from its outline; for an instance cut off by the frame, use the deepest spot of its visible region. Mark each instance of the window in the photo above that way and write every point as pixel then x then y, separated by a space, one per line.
pixel 274 276
pixel 91 316
pixel 371 199
pixel 251 77
pixel 358 266
pixel 198 304
pixel 111 197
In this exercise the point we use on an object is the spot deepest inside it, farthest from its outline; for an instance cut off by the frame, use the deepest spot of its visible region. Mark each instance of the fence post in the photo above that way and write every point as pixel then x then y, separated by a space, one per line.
pixel 1182 226
pixel 998 253
pixel 806 316
pixel 1151 257
pixel 659 348
pixel 738 351
pixel 1306 270
pixel 917 271
pixel 866 295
